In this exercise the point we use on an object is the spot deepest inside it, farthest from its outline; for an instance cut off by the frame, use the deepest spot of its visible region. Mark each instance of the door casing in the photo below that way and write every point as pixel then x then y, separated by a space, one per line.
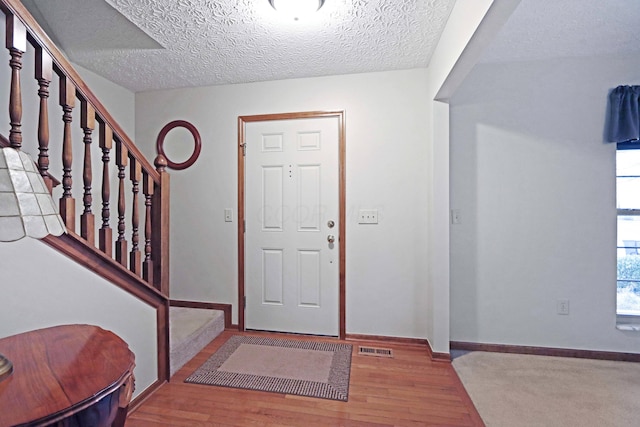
pixel 242 120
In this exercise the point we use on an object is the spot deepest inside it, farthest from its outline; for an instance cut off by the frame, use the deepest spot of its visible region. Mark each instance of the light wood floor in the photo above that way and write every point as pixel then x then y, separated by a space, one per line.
pixel 408 390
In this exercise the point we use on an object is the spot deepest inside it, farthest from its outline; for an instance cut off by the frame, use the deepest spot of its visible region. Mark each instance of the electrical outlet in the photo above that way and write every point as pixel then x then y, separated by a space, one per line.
pixel 562 306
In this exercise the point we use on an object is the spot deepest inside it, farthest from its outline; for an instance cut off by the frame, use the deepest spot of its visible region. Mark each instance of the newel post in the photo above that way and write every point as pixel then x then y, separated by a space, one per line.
pixel 160 234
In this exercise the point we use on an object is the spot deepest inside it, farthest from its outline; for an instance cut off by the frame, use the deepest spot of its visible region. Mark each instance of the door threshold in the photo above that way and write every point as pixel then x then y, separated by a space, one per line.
pixel 301 334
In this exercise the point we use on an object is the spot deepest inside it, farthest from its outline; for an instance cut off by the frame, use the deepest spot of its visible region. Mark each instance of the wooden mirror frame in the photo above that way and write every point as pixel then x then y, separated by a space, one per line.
pixel 196 139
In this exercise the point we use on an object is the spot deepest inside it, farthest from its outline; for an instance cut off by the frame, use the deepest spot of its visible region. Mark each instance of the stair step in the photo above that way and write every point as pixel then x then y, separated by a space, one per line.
pixel 190 330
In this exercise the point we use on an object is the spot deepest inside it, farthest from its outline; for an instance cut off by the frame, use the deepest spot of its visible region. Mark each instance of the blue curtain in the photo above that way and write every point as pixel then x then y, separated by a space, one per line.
pixel 624 121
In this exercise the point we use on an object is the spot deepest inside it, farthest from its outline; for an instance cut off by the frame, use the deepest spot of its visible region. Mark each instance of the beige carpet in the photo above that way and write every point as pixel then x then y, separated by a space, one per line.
pixel 514 390
pixel 190 330
pixel 305 368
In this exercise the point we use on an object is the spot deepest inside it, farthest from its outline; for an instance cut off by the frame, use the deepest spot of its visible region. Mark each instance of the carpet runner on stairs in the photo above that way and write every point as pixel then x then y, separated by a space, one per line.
pixel 190 330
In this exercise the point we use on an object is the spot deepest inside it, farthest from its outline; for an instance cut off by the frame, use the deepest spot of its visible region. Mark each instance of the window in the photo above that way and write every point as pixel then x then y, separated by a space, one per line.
pixel 628 241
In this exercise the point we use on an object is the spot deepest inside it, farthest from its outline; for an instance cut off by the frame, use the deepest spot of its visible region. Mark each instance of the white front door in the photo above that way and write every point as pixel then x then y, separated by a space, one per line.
pixel 291 235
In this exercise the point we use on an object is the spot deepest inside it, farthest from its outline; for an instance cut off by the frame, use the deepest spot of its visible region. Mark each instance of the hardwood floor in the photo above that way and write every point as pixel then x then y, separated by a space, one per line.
pixel 406 390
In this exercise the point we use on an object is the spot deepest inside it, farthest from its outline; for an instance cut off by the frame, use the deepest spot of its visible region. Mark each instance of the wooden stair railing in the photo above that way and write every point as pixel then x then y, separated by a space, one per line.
pixel 138 259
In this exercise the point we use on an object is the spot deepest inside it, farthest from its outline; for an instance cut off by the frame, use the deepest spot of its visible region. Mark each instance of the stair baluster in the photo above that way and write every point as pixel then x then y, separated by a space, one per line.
pixel 135 258
pixel 67 202
pixel 87 219
pixel 147 265
pixel 121 242
pixel 17 45
pixel 105 233
pixel 44 74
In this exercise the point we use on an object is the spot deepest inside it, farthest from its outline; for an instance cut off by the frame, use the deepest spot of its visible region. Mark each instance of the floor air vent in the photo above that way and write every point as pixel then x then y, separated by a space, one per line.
pixel 374 351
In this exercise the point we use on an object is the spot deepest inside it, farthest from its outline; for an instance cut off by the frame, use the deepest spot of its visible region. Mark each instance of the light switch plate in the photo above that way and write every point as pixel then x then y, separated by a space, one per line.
pixel 456 217
pixel 228 215
pixel 368 216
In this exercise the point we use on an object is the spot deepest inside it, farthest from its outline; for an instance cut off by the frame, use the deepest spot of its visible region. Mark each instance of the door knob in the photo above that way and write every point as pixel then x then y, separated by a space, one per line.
pixel 331 238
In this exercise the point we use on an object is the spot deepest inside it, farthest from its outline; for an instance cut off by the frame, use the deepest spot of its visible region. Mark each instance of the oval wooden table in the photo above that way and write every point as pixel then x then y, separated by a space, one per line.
pixel 71 375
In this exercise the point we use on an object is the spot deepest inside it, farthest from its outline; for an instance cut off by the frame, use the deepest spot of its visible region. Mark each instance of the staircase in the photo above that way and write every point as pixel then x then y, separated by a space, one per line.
pixel 117 184
pixel 118 221
pixel 191 330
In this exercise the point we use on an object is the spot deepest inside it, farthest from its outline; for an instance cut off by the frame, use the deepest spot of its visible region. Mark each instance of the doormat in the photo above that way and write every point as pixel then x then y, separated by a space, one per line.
pixel 303 368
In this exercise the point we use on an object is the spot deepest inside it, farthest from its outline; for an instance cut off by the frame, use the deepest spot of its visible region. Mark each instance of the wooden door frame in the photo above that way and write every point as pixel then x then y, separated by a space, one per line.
pixel 242 121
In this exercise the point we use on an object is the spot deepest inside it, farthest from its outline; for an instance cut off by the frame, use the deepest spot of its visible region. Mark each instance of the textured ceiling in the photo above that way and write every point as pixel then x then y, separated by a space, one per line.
pixel 545 29
pixel 158 44
pixel 180 43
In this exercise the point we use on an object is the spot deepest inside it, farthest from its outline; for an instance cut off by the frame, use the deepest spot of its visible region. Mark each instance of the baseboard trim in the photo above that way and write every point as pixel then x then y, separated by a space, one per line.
pixel 546 351
pixel 395 340
pixel 436 357
pixel 226 308
pixel 439 357
pixel 140 399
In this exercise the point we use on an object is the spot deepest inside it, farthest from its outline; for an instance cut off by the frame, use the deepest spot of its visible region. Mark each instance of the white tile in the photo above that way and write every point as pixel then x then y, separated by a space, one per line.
pixel 20 181
pixel 55 224
pixel 8 205
pixel 37 183
pixel 5 180
pixel 11 229
pixel 46 204
pixel 35 226
pixel 13 159
pixel 28 204
pixel 27 162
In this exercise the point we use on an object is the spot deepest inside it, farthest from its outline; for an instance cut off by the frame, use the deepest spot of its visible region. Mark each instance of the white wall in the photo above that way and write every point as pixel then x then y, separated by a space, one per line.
pixel 423 273
pixel 386 169
pixel 535 185
pixel 470 28
pixel 118 101
pixel 42 288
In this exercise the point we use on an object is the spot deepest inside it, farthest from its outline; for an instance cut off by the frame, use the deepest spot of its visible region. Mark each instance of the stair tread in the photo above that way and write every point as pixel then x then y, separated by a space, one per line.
pixel 190 330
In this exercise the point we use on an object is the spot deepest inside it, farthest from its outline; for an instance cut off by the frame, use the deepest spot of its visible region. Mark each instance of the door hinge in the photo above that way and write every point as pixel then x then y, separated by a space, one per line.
pixel 244 148
pixel 245 301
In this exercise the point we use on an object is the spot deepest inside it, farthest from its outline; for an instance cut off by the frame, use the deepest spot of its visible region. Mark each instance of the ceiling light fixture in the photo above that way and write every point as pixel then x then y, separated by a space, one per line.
pixel 296 9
